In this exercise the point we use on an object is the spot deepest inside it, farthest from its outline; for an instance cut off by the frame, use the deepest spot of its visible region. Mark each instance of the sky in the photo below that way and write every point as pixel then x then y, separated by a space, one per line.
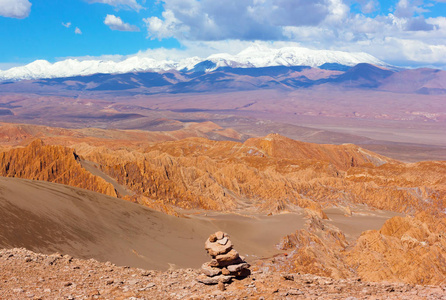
pixel 401 32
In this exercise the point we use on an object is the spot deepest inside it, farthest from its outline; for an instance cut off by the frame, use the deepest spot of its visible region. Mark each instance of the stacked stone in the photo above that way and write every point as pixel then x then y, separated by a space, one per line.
pixel 226 263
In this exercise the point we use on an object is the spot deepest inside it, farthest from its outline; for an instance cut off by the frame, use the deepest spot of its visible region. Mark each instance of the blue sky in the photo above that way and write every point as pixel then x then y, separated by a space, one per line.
pixel 402 32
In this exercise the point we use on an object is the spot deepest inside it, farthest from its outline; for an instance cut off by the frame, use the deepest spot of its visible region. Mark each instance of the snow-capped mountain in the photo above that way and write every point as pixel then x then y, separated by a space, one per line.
pixel 253 57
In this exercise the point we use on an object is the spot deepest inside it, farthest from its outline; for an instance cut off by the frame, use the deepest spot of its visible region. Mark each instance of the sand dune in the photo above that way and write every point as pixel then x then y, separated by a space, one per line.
pixel 47 217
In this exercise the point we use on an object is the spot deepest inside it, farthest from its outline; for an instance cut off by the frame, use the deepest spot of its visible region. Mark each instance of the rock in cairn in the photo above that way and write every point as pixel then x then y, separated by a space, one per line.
pixel 226 262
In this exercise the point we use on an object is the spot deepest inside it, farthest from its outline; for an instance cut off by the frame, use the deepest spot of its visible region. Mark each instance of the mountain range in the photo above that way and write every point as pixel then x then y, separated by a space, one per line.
pixel 253 57
pixel 286 78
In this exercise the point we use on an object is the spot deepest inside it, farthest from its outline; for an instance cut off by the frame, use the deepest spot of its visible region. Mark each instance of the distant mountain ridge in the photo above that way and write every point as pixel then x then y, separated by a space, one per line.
pixel 223 79
pixel 253 57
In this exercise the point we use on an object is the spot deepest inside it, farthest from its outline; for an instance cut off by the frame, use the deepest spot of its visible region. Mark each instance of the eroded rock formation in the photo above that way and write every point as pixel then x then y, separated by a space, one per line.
pixel 403 250
pixel 275 174
pixel 51 163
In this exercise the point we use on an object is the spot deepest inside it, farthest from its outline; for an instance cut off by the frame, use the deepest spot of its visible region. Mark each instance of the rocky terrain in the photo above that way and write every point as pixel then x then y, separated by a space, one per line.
pixel 403 250
pixel 51 163
pixel 28 275
pixel 333 194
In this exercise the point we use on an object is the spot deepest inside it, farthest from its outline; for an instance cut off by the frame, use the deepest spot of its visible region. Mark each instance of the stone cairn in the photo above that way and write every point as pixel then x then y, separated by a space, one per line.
pixel 225 264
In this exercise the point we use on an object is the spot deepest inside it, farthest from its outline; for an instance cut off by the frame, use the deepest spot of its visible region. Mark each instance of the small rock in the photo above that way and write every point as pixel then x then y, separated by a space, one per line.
pixel 215 249
pixel 210 271
pixel 133 282
pixel 220 235
pixel 309 281
pixel 213 263
pixel 94 293
pixel 212 238
pixel 221 286
pixel 238 267
pixel 145 273
pixel 288 277
pixel 230 258
pixel 149 286
pixel 225 271
pixel 294 292
pixel 223 241
pixel 214 280
pixel 242 273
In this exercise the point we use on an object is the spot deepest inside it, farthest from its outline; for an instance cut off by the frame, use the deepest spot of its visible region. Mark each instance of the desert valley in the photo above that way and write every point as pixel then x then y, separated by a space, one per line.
pixel 330 188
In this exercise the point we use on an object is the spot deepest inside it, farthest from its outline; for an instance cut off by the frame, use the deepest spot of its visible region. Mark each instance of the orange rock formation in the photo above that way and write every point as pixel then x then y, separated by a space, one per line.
pixel 51 163
pixel 272 174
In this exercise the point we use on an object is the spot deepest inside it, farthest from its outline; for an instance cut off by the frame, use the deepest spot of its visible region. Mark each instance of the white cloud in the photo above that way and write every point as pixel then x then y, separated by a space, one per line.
pixel 15 8
pixel 125 4
pixel 240 19
pixel 369 6
pixel 67 25
pixel 77 31
pixel 115 23
pixel 169 27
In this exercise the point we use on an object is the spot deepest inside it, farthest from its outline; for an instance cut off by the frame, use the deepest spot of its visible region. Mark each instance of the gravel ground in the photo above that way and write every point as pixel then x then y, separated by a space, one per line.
pixel 28 275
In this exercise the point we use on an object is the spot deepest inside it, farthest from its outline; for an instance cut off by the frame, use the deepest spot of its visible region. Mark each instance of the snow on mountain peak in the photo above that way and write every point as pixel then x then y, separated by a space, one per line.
pixel 255 56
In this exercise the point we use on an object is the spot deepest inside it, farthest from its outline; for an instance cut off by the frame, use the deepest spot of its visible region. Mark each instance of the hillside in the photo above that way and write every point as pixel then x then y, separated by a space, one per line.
pixel 47 218
pixel 91 225
pixel 326 206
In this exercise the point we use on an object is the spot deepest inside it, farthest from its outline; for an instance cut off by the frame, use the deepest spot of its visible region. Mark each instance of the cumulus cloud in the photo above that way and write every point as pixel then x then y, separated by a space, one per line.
pixel 115 23
pixel 125 4
pixel 239 19
pixel 77 31
pixel 408 8
pixel 15 8
pixel 321 24
pixel 67 25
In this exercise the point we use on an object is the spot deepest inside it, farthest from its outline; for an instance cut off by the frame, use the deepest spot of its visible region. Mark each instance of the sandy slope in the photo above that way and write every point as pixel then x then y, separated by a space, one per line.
pixel 46 217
